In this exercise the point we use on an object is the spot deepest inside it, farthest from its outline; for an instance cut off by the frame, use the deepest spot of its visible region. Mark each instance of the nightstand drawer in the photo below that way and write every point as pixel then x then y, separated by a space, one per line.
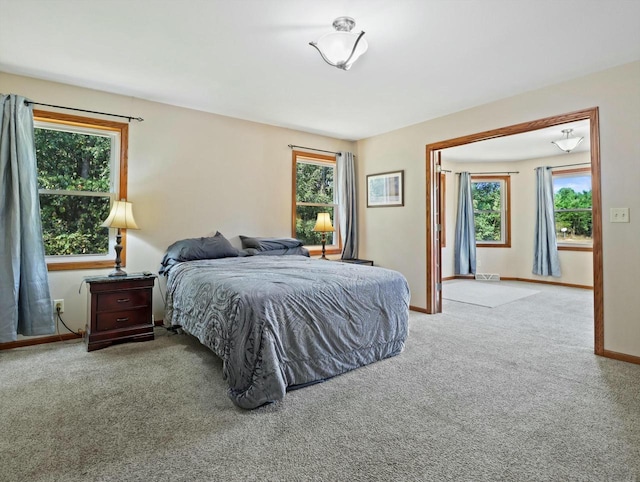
pixel 123 300
pixel 122 319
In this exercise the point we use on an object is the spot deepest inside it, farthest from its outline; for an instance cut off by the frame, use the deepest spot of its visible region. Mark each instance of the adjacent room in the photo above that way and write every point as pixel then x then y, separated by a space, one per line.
pixel 292 240
pixel 496 266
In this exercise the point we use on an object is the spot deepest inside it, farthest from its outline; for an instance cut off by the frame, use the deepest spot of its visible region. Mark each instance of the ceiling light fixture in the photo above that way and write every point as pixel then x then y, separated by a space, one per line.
pixel 341 48
pixel 567 144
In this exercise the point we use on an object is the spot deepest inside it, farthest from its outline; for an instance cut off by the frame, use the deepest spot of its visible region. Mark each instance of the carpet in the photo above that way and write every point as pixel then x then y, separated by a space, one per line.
pixel 508 394
pixel 483 293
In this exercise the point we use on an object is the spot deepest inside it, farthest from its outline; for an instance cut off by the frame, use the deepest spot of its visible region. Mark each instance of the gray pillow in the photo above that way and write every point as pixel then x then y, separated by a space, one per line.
pixel 197 248
pixel 299 250
pixel 269 244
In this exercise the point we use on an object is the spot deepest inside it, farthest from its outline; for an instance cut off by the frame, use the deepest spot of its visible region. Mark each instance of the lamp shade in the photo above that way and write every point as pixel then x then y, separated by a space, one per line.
pixel 323 223
pixel 341 48
pixel 567 144
pixel 121 216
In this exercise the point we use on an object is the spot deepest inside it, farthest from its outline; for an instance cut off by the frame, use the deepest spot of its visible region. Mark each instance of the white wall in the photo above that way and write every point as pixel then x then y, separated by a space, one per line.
pixel 190 174
pixel 395 237
pixel 516 261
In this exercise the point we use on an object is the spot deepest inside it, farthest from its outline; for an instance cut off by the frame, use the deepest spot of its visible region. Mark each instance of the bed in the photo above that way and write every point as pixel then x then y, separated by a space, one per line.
pixel 283 321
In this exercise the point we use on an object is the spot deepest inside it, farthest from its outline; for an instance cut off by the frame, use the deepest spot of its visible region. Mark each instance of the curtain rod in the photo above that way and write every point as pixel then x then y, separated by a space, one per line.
pixel 569 165
pixel 129 117
pixel 312 149
pixel 493 172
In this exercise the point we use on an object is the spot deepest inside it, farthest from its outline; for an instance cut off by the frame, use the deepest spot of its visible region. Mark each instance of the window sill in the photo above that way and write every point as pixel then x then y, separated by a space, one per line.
pixel 575 248
pixel 77 265
pixel 493 245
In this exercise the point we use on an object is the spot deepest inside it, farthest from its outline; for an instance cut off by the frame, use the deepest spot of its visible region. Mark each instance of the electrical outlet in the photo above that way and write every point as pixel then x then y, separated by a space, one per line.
pixel 60 304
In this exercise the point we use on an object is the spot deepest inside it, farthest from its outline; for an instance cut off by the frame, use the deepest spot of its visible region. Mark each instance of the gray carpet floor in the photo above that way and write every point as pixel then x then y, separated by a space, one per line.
pixel 480 394
pixel 483 293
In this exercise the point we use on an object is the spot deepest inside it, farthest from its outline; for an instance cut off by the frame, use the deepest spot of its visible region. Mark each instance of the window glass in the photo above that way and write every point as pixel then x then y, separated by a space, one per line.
pixel 79 163
pixel 314 188
pixel 491 206
pixel 573 207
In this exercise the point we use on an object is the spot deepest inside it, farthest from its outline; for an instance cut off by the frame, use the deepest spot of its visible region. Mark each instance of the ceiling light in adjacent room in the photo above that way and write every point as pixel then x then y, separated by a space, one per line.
pixel 567 144
pixel 341 48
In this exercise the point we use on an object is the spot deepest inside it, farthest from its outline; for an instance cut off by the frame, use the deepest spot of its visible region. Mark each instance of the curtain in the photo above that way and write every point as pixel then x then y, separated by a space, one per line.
pixel 347 205
pixel 465 245
pixel 545 256
pixel 25 302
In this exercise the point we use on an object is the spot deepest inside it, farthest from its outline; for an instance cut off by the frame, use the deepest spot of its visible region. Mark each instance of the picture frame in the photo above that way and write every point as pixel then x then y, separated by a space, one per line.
pixel 385 189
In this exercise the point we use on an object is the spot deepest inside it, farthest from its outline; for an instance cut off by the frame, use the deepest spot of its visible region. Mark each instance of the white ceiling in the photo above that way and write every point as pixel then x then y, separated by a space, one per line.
pixel 528 145
pixel 251 59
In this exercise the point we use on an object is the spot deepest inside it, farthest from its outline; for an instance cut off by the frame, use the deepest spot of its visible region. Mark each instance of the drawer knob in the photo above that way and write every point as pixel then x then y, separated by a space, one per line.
pixel 120 320
pixel 123 300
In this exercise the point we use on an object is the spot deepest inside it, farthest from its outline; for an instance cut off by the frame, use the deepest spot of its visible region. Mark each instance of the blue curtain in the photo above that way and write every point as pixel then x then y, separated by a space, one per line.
pixel 545 256
pixel 465 245
pixel 25 302
pixel 347 205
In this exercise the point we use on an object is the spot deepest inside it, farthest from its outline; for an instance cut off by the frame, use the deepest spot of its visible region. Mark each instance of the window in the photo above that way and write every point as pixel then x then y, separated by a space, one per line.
pixel 491 207
pixel 82 167
pixel 314 192
pixel 572 202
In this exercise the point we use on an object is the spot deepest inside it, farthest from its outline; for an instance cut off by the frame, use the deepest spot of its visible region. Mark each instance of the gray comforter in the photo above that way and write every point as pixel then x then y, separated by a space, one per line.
pixel 281 321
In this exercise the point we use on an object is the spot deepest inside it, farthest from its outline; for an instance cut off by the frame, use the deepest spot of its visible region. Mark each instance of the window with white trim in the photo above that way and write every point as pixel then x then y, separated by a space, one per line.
pixel 80 161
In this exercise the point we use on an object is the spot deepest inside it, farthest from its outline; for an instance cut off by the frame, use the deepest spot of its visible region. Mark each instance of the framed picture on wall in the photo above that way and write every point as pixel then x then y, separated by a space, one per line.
pixel 385 189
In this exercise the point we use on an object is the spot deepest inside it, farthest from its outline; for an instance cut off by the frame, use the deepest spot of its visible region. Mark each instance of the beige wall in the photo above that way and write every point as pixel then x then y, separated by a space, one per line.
pixel 190 174
pixel 516 261
pixel 395 237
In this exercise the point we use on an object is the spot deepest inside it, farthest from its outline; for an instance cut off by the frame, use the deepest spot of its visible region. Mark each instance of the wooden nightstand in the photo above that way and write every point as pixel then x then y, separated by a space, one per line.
pixel 119 310
pixel 367 262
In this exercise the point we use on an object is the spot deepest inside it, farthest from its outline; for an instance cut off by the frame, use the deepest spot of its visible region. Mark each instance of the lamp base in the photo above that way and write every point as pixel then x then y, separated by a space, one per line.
pixel 117 272
pixel 118 247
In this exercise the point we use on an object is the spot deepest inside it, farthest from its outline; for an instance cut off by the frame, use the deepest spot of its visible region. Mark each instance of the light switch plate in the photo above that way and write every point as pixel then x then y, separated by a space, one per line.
pixel 619 215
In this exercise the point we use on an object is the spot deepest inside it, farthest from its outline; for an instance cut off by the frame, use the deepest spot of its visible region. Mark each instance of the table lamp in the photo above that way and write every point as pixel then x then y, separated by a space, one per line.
pixel 121 217
pixel 323 225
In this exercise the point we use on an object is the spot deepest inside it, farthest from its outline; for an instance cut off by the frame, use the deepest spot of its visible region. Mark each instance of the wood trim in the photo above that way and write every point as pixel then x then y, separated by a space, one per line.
pixel 575 248
pixel 50 339
pixel 443 217
pixel 318 251
pixel 80 265
pixel 592 114
pixel 577 170
pixel 621 356
pixel 89 122
pixel 596 210
pixel 417 308
pixel 38 341
pixel 329 248
pixel 432 234
pixel 545 282
pixel 507 211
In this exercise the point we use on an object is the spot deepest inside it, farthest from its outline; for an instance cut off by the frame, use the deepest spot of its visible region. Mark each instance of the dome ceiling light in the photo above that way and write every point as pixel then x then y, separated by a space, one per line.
pixel 341 48
pixel 567 144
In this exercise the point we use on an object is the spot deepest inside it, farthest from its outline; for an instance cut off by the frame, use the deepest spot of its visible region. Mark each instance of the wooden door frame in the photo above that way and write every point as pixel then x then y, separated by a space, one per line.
pixel 591 114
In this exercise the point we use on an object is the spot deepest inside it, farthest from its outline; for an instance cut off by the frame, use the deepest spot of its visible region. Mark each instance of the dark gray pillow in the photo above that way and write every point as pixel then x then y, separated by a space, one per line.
pixel 299 250
pixel 269 244
pixel 197 248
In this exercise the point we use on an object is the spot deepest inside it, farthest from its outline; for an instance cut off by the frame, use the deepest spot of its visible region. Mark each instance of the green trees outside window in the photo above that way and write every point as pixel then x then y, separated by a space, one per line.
pixel 314 193
pixel 487 209
pixel 573 207
pixel 75 185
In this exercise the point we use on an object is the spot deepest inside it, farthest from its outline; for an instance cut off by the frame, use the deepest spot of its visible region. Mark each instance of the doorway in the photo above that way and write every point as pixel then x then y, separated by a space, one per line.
pixel 434 254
